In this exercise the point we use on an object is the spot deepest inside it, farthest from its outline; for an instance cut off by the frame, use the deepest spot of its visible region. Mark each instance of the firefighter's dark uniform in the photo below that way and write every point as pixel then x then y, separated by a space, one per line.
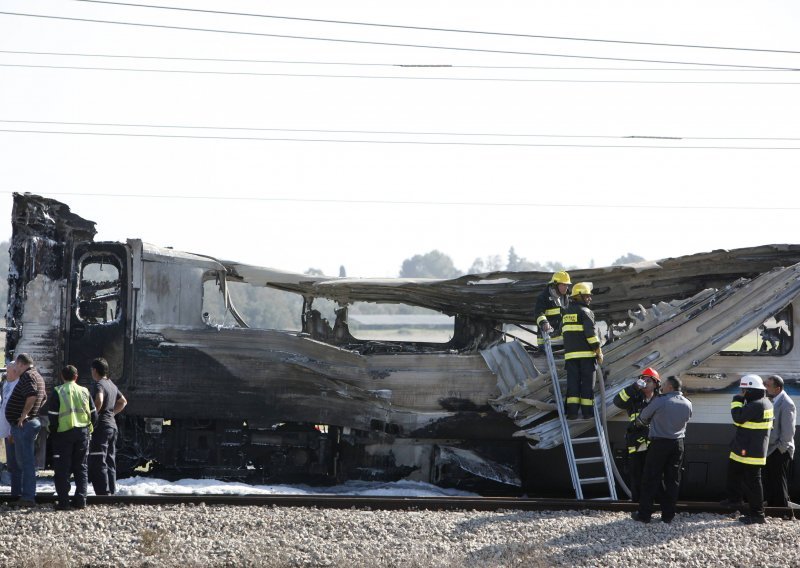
pixel 72 414
pixel 580 345
pixel 550 307
pixel 632 400
pixel 752 416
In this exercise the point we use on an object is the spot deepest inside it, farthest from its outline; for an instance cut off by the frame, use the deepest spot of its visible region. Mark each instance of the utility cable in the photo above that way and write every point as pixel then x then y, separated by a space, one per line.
pixel 390 44
pixel 397 132
pixel 433 29
pixel 398 77
pixel 223 196
pixel 404 65
pixel 399 142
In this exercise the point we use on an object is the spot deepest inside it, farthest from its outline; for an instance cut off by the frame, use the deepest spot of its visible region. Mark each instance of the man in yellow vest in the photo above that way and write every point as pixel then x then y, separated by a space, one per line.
pixel 72 415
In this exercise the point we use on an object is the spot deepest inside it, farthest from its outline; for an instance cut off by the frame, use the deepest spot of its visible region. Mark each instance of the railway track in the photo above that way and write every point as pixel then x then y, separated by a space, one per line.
pixel 395 503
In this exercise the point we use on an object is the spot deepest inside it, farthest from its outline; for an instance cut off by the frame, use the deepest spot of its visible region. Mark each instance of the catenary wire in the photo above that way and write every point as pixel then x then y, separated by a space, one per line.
pixel 398 132
pixel 391 44
pixel 397 77
pixel 659 206
pixel 434 29
pixel 398 142
pixel 409 65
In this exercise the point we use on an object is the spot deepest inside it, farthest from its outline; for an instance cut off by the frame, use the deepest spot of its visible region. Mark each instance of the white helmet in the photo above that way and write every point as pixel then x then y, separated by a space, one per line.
pixel 752 382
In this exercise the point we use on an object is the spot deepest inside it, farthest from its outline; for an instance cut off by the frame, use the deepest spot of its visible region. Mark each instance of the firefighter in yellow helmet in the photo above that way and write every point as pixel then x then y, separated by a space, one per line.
pixel 581 351
pixel 550 306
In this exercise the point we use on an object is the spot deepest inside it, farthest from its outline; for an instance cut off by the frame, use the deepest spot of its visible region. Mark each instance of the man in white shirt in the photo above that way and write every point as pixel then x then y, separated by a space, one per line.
pixel 8 383
pixel 780 451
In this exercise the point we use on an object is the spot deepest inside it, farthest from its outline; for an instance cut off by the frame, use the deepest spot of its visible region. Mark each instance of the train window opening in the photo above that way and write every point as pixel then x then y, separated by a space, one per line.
pixel 399 322
pixel 259 306
pixel 774 337
pixel 99 289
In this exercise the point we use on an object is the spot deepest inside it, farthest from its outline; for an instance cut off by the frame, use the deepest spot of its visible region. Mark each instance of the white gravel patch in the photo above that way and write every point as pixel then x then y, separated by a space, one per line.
pixel 199 535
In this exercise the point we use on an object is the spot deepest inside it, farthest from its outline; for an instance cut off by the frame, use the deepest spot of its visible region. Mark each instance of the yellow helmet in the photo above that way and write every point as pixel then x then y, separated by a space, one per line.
pixel 560 278
pixel 582 288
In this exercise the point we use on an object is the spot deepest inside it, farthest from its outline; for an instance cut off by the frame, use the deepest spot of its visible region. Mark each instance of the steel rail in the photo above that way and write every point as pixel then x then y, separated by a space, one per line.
pixel 394 503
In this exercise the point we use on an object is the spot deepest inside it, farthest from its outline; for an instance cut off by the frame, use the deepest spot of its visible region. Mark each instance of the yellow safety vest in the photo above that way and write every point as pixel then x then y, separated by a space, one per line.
pixel 73 407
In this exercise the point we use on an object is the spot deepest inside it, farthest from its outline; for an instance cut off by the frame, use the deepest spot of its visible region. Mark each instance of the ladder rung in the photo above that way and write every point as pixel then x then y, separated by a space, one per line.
pixel 602 499
pixel 591 480
pixel 598 459
pixel 588 440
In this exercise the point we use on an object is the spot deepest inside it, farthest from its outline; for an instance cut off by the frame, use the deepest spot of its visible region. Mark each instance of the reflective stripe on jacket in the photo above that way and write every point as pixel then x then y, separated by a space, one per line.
pixel 631 400
pixel 578 329
pixel 753 421
pixel 548 308
pixel 74 408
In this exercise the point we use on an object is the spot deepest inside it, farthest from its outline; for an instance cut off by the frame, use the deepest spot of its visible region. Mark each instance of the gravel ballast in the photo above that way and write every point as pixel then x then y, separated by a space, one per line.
pixel 199 535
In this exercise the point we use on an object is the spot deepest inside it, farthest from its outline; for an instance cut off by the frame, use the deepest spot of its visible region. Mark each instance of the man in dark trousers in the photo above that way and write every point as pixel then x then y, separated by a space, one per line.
pixel 752 415
pixel 550 306
pixel 72 413
pixel 581 352
pixel 780 451
pixel 22 413
pixel 667 416
pixel 102 448
pixel 633 399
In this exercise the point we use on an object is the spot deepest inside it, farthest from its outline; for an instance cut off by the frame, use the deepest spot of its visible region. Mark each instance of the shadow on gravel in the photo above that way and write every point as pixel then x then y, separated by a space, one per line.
pixel 581 541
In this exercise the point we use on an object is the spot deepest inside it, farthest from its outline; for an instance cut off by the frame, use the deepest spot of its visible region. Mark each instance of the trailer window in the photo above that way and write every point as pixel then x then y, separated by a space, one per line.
pixel 99 289
pixel 260 307
pixel 773 337
pixel 399 322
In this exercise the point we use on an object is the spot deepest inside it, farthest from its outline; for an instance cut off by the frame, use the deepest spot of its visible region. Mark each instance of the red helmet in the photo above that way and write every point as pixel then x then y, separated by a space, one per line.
pixel 651 372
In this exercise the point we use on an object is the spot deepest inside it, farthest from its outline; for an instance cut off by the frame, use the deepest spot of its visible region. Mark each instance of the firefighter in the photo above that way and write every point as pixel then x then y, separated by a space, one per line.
pixel 73 413
pixel 550 306
pixel 633 399
pixel 752 414
pixel 581 351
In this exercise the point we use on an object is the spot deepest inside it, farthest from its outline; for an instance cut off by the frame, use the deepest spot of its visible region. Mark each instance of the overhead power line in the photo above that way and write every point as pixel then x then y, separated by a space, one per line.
pixel 224 196
pixel 395 132
pixel 391 44
pixel 404 65
pixel 398 77
pixel 434 29
pixel 396 142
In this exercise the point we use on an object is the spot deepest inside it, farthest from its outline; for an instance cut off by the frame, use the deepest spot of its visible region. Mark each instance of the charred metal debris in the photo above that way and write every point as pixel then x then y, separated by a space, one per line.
pixel 239 400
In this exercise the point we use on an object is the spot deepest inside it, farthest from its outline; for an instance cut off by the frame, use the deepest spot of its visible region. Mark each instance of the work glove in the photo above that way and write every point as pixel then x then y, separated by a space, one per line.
pixel 545 326
pixel 599 355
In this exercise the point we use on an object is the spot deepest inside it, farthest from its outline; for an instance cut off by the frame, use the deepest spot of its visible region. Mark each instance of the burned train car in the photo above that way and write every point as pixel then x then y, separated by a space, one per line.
pixel 211 395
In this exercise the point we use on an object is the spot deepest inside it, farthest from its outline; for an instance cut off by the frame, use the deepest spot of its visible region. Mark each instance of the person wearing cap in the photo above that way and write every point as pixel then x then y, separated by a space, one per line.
pixel 582 351
pixel 550 306
pixel 780 451
pixel 752 414
pixel 633 399
pixel 667 416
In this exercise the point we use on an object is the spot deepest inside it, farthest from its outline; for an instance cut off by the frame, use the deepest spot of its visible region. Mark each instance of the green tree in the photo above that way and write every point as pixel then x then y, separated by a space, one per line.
pixel 491 263
pixel 513 260
pixel 627 259
pixel 433 264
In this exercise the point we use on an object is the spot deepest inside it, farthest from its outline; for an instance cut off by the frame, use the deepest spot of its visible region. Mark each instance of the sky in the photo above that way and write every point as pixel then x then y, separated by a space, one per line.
pixel 305 152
